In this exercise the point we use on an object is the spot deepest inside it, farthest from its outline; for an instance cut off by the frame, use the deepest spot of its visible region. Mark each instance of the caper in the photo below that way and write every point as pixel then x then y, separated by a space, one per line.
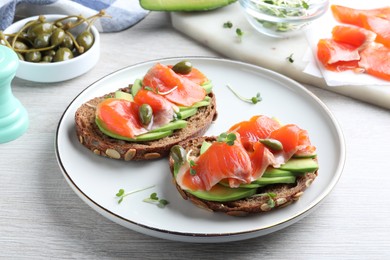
pixel 183 67
pixel 85 39
pixel 272 144
pixel 57 37
pixel 33 56
pixel 40 28
pixel 145 114
pixel 178 154
pixel 19 45
pixel 41 41
pixel 63 54
pixel 67 42
pixel 47 58
pixel 49 53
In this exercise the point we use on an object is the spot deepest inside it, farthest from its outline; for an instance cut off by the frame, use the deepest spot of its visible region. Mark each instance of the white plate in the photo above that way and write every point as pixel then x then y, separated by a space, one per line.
pixel 97 179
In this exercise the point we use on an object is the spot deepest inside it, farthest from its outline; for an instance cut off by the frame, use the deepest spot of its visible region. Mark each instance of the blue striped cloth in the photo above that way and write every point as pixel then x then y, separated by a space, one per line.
pixel 124 13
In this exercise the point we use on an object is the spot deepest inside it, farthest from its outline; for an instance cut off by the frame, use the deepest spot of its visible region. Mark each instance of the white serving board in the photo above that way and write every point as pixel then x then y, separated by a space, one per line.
pixel 271 53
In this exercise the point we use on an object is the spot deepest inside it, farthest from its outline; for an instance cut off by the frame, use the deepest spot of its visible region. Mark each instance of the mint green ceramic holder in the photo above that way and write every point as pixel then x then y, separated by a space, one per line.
pixel 13 116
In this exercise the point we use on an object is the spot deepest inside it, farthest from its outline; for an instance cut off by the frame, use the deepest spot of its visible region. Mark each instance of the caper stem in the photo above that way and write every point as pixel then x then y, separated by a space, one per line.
pixel 27 25
pixel 80 49
pixel 32 50
pixel 2 38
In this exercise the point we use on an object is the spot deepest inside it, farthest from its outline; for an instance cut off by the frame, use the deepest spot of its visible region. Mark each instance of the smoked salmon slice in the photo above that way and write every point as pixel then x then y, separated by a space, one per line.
pixel 176 88
pixel 163 110
pixel 375 60
pixel 257 127
pixel 220 162
pixel 379 26
pixel 293 139
pixel 349 15
pixel 337 56
pixel 120 117
pixel 353 35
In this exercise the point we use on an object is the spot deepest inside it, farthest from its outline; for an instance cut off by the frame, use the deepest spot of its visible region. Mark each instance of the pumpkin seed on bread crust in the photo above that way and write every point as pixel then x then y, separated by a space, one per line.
pixel 285 194
pixel 91 137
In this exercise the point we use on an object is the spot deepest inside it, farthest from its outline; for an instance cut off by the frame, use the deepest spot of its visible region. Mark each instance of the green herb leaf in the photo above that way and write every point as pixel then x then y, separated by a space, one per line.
pixel 239 32
pixel 290 58
pixel 153 199
pixel 192 170
pixel 121 193
pixel 227 138
pixel 305 5
pixel 254 100
pixel 228 24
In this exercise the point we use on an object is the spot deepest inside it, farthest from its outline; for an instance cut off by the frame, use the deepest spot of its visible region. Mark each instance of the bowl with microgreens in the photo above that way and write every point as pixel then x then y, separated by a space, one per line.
pixel 283 18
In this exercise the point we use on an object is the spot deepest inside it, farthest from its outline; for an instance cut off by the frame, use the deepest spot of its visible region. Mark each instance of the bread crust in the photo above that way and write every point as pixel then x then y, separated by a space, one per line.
pixel 285 194
pixel 92 138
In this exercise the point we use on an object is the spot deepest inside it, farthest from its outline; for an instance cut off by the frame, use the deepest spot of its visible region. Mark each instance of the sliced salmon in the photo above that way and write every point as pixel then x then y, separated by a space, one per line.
pixel 353 35
pixel 349 15
pixel 195 76
pixel 379 26
pixel 176 88
pixel 258 127
pixel 293 139
pixel 375 60
pixel 120 117
pixel 163 110
pixel 220 162
pixel 337 56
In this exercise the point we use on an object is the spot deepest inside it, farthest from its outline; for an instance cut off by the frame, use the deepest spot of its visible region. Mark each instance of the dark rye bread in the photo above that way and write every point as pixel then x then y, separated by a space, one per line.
pixel 91 137
pixel 285 193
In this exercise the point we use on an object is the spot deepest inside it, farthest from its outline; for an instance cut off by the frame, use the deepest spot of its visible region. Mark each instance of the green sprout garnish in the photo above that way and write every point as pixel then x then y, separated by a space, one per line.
pixel 228 138
pixel 253 100
pixel 239 33
pixel 192 170
pixel 154 199
pixel 228 24
pixel 122 194
pixel 290 58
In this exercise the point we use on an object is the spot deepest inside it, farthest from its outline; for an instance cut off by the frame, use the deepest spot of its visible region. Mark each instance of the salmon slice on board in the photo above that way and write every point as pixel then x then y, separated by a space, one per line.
pixel 349 15
pixel 375 60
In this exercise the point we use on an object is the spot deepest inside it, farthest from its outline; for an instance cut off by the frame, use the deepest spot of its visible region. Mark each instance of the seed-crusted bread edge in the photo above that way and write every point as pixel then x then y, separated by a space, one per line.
pixel 92 138
pixel 285 194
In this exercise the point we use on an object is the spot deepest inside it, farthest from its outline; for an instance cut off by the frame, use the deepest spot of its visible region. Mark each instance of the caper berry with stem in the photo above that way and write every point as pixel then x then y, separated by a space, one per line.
pixel 33 56
pixel 85 39
pixel 57 37
pixel 42 40
pixel 63 54
pixel 145 114
pixel 178 154
pixel 184 67
pixel 67 42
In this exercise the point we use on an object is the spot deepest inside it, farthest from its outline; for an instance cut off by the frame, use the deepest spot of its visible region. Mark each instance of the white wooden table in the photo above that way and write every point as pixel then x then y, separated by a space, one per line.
pixel 41 217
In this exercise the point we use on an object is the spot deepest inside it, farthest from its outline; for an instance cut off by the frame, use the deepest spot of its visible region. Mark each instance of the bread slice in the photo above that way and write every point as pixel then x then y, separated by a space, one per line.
pixel 91 137
pixel 285 194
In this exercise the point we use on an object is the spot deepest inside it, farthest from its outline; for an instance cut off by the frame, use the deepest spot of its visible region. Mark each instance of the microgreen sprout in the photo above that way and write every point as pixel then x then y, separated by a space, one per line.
pixel 154 199
pixel 228 24
pixel 239 33
pixel 122 194
pixel 228 138
pixel 290 58
pixel 192 170
pixel 253 100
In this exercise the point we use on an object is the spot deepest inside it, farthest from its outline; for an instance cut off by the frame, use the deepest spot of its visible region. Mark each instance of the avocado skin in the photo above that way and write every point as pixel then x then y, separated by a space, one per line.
pixel 186 6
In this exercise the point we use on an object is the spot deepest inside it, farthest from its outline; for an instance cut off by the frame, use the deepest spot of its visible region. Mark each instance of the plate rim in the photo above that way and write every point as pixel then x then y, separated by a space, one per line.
pixel 189 236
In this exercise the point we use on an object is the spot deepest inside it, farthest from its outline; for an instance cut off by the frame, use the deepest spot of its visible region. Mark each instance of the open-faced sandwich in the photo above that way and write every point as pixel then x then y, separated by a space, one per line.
pixel 144 120
pixel 256 166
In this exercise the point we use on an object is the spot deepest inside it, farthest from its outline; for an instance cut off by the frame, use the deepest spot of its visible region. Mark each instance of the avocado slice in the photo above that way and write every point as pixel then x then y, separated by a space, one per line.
pixel 137 85
pixel 180 5
pixel 300 165
pixel 123 95
pixel 222 193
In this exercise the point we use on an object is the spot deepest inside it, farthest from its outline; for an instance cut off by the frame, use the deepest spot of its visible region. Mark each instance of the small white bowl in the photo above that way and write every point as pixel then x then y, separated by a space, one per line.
pixel 282 19
pixel 57 71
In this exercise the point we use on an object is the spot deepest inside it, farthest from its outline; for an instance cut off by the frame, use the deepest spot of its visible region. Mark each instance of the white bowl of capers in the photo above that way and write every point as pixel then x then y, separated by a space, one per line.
pixel 53 48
